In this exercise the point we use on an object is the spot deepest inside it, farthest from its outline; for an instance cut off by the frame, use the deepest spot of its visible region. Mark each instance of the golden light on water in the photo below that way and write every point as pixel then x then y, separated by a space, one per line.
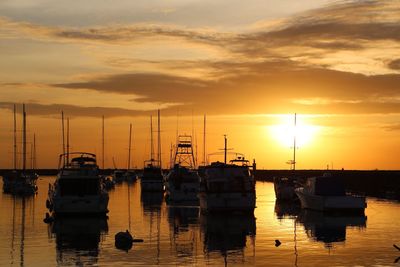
pixel 285 132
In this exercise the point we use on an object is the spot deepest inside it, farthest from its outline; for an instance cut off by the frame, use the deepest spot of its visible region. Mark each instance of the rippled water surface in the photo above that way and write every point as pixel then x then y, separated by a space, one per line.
pixel 180 235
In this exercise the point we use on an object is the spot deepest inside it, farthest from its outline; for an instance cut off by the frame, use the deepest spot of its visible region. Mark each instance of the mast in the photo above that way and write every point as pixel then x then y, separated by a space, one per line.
pixel 102 143
pixel 34 152
pixel 294 144
pixel 159 138
pixel 67 140
pixel 23 137
pixel 15 137
pixel 129 147
pixel 151 139
pixel 204 141
pixel 63 134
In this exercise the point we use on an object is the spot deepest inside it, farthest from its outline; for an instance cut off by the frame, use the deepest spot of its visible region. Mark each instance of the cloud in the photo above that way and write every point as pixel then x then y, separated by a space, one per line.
pixel 394 64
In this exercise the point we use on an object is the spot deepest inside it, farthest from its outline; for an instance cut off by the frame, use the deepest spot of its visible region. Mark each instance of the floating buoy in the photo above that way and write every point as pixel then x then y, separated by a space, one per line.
pixel 123 240
pixel 48 218
pixel 277 243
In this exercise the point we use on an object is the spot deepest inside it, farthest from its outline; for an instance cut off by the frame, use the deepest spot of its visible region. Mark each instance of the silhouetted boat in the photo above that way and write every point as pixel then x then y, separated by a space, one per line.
pixel 152 178
pixel 78 188
pixel 182 182
pixel 327 193
pixel 118 176
pixel 20 182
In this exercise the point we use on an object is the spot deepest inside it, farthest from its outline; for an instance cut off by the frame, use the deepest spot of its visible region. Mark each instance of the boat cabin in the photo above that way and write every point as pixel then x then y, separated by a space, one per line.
pixel 326 185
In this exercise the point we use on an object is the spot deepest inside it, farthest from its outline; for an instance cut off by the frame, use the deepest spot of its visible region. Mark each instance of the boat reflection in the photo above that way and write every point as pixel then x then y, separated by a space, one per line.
pixel 78 238
pixel 151 201
pixel 286 209
pixel 223 233
pixel 329 228
pixel 183 221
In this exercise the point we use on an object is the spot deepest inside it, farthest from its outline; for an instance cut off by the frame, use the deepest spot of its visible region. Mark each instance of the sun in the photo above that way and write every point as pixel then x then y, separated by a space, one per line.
pixel 286 132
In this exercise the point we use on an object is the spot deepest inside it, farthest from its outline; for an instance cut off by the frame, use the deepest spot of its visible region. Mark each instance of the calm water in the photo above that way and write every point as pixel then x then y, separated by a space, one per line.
pixel 181 236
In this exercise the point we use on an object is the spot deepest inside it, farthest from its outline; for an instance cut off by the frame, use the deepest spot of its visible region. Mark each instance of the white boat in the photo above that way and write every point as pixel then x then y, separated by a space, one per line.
pixel 182 182
pixel 228 187
pixel 78 188
pixel 20 182
pixel 327 193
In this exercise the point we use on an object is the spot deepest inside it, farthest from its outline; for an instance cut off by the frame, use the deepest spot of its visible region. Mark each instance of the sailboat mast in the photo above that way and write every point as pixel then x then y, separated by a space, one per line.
pixel 67 140
pixel 23 137
pixel 151 139
pixel 204 141
pixel 63 134
pixel 102 143
pixel 159 137
pixel 129 147
pixel 34 152
pixel 15 137
pixel 294 144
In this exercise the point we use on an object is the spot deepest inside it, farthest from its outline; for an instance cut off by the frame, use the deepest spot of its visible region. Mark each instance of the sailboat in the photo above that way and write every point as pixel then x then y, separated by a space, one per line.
pixel 20 182
pixel 183 181
pixel 152 178
pixel 130 175
pixel 284 186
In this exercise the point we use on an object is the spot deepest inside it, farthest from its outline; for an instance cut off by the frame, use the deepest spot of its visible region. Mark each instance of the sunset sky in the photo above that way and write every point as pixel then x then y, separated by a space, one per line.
pixel 248 65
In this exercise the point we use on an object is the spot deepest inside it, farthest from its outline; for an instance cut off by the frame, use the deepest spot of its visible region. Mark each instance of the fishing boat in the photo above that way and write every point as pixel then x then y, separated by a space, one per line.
pixel 23 181
pixel 228 187
pixel 78 188
pixel 118 176
pixel 327 193
pixel 182 182
pixel 152 179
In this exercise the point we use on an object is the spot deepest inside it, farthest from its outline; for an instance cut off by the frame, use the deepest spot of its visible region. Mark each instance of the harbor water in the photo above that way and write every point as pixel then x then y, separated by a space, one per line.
pixel 180 235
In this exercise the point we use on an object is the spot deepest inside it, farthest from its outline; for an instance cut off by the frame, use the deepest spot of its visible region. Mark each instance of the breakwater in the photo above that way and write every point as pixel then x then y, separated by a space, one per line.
pixel 376 183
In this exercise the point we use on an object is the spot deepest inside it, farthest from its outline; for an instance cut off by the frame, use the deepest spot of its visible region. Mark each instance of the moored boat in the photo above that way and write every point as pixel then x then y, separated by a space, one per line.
pixel 78 188
pixel 228 187
pixel 182 182
pixel 327 193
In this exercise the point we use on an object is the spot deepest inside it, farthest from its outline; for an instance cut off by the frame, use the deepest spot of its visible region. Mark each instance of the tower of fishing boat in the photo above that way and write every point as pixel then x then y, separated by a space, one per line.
pixel 183 181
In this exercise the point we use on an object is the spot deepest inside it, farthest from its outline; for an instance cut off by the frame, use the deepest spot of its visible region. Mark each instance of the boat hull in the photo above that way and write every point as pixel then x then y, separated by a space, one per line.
pixel 79 205
pixel 185 192
pixel 227 202
pixel 331 203
pixel 284 192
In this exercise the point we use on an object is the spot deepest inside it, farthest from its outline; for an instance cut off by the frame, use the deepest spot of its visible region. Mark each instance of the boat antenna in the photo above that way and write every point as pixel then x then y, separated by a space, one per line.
pixel 294 143
pixel 23 137
pixel 63 134
pixel 15 137
pixel 225 149
pixel 34 152
pixel 102 143
pixel 204 140
pixel 159 137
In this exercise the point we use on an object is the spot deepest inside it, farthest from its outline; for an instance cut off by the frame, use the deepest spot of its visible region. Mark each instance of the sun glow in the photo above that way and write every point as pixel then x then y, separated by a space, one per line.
pixel 286 133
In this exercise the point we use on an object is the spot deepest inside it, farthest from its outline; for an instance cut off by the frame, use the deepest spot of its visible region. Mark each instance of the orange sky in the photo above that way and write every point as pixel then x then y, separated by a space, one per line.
pixel 248 66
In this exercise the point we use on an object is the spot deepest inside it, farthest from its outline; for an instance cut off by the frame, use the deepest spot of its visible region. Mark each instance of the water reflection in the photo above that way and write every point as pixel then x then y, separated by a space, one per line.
pixel 184 235
pixel 151 201
pixel 329 228
pixel 78 238
pixel 223 233
pixel 286 209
